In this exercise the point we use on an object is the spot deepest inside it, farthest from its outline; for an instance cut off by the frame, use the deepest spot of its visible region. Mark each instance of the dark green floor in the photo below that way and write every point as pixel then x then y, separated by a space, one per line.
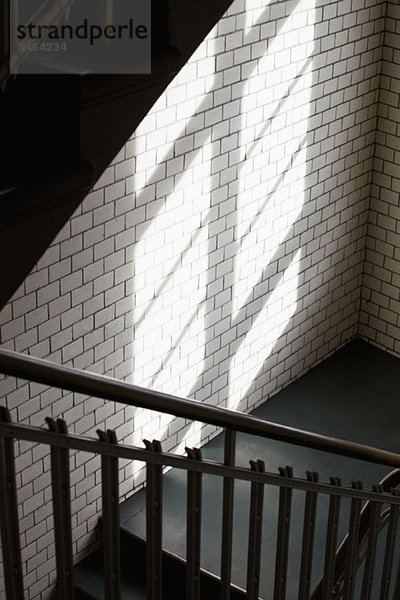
pixel 353 395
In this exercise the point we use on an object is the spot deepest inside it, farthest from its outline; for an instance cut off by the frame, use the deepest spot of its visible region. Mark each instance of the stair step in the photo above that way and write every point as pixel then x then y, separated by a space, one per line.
pixel 89 574
pixel 90 580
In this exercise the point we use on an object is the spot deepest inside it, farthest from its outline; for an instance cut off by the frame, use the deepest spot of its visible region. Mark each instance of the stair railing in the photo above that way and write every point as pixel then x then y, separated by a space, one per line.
pixel 61 443
pixel 359 544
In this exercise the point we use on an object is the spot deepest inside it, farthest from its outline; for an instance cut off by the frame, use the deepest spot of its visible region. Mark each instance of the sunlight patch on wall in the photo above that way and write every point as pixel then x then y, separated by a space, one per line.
pixel 215 282
pixel 167 122
pixel 270 198
pixel 170 262
pixel 266 328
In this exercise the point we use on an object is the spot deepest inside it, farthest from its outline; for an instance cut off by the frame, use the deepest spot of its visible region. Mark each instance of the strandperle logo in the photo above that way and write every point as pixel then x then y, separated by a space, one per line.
pixel 80 36
pixel 84 31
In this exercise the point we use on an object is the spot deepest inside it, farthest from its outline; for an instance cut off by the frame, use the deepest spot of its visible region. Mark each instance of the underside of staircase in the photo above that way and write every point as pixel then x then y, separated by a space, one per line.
pixel 60 132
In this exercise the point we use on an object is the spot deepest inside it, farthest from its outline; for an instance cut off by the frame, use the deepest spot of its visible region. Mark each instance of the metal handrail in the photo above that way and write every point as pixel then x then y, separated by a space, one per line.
pixel 100 386
pixel 70 441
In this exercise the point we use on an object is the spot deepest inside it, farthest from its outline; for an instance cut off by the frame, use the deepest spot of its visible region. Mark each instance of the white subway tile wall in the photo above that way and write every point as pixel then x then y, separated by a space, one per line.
pixel 380 309
pixel 220 255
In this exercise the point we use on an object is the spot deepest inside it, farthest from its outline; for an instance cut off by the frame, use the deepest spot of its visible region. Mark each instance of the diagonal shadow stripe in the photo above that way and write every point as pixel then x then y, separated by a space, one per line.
pixel 184 329
pixel 276 186
pixel 204 106
pixel 262 133
pixel 241 315
pixel 264 298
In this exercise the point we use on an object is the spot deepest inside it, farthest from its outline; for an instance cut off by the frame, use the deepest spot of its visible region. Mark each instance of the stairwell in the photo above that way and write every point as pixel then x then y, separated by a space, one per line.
pixel 56 196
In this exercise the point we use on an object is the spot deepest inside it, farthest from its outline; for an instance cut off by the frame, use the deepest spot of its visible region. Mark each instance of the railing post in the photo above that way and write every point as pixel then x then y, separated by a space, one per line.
pixel 255 533
pixel 353 543
pixel 310 510
pixel 110 524
pixel 193 528
pixel 60 483
pixel 153 524
pixel 9 517
pixel 227 516
pixel 282 543
pixel 373 530
pixel 389 549
pixel 331 541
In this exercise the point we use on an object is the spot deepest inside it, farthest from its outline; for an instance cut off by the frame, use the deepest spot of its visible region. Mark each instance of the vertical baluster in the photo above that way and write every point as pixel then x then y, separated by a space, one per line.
pixel 310 510
pixel 227 517
pixel 389 549
pixel 60 483
pixel 193 528
pixel 153 524
pixel 9 517
pixel 255 533
pixel 353 547
pixel 373 529
pixel 110 524
pixel 282 543
pixel 331 541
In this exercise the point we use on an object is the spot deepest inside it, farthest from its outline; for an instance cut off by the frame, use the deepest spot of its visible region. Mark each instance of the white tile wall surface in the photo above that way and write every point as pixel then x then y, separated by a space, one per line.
pixel 220 255
pixel 380 315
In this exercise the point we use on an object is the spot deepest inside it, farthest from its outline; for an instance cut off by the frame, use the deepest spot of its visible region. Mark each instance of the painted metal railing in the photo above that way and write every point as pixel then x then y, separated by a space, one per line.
pixel 340 567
